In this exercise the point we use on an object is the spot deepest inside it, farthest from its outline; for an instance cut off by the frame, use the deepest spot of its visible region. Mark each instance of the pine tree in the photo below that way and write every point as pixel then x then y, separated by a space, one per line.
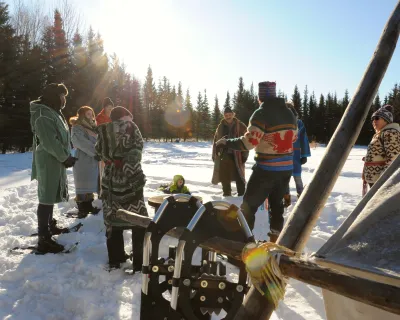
pixel 206 129
pixel 149 97
pixel 238 100
pixel 311 127
pixel 190 124
pixel 305 108
pixel 217 115
pixel 296 99
pixel 345 101
pixel 197 114
pixel 227 103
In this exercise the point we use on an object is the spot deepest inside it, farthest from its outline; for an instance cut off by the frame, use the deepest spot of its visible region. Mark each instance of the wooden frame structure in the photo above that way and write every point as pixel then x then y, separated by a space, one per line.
pixel 309 207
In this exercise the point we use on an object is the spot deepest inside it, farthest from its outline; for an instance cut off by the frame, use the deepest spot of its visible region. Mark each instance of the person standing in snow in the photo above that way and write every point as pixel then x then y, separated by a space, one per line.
pixel 86 170
pixel 301 151
pixel 51 157
pixel 272 131
pixel 104 114
pixel 120 146
pixel 383 148
pixel 229 164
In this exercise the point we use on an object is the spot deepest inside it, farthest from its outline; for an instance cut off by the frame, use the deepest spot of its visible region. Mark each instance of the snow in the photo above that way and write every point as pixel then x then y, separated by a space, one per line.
pixel 76 285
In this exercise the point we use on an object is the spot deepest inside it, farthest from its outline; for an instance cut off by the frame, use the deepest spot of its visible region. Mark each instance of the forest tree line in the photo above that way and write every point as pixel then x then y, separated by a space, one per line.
pixel 37 49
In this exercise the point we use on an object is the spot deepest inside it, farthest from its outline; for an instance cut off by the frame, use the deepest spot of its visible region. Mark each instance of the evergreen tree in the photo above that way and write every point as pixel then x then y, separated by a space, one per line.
pixel 238 100
pixel 190 124
pixel 345 101
pixel 312 119
pixel 296 99
pixel 197 114
pixel 305 108
pixel 217 115
pixel 149 98
pixel 227 103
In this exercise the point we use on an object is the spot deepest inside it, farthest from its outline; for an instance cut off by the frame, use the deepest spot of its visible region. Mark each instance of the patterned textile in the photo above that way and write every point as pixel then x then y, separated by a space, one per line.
pixel 382 151
pixel 272 132
pixel 385 112
pixel 120 146
pixel 267 89
pixel 237 129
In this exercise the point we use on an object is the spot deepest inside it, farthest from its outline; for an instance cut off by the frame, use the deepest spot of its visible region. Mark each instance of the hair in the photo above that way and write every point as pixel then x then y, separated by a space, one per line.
pixel 291 107
pixel 107 102
pixel 119 112
pixel 51 95
pixel 81 114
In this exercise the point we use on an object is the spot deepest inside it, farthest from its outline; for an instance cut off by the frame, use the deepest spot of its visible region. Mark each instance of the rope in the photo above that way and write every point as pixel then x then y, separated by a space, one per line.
pixel 262 263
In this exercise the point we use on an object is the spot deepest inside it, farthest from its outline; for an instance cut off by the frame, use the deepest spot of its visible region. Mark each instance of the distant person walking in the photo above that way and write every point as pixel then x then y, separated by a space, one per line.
pixel 383 148
pixel 51 157
pixel 86 170
pixel 272 131
pixel 301 151
pixel 228 163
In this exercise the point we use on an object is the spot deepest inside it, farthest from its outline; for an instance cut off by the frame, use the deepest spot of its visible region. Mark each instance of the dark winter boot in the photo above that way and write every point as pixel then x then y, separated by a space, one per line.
pixel 82 210
pixel 47 245
pixel 287 200
pixel 55 230
pixel 89 207
pixel 115 248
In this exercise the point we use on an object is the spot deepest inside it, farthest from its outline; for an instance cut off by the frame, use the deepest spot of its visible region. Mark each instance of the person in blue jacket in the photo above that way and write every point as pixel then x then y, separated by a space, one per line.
pixel 301 151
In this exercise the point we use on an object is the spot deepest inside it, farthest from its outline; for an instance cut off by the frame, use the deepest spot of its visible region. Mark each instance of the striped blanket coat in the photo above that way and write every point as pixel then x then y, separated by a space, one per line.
pixel 120 146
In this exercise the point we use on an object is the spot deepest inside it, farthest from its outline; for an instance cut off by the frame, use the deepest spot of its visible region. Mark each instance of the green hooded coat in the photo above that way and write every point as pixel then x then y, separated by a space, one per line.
pixel 51 147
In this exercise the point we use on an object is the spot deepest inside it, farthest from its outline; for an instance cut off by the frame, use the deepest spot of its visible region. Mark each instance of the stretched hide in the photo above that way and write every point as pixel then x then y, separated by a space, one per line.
pixel 367 245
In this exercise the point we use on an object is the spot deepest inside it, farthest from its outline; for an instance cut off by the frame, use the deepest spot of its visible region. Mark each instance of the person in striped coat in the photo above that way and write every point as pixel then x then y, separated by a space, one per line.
pixel 271 132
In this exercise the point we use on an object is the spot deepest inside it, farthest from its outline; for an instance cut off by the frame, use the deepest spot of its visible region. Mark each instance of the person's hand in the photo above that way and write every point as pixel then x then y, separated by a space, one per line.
pixel 221 142
pixel 303 160
pixel 97 157
pixel 70 162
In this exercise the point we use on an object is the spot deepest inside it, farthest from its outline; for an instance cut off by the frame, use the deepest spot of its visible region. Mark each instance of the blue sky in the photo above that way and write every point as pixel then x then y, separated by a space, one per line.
pixel 208 44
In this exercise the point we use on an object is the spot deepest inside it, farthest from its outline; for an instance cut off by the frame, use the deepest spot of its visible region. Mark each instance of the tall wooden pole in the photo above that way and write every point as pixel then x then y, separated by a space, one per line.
pixel 307 210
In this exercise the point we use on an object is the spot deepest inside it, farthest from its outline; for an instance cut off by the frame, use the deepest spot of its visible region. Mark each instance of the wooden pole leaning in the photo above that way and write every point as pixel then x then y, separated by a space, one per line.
pixel 307 210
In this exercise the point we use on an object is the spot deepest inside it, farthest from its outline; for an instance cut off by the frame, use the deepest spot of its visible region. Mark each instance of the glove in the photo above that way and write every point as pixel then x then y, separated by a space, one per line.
pixel 97 157
pixel 70 162
pixel 221 142
pixel 303 160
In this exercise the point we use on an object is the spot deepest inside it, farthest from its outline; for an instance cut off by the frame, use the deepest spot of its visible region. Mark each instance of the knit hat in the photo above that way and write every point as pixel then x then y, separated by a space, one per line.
pixel 107 102
pixel 386 113
pixel 119 112
pixel 266 89
pixel 228 110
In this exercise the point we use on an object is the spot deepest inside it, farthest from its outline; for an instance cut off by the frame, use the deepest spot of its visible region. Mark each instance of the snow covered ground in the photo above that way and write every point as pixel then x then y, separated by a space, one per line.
pixel 76 286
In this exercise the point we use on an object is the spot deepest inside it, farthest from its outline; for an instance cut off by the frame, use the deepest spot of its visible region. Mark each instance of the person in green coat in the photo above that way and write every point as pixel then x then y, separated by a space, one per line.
pixel 51 157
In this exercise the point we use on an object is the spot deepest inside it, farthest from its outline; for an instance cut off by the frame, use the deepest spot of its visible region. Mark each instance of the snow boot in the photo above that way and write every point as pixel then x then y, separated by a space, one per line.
pixel 89 207
pixel 47 245
pixel 273 235
pixel 287 200
pixel 82 210
pixel 55 230
pixel 115 248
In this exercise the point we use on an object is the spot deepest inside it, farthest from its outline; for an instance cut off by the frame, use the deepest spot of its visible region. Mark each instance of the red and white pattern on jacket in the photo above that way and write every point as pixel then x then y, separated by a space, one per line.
pixel 380 156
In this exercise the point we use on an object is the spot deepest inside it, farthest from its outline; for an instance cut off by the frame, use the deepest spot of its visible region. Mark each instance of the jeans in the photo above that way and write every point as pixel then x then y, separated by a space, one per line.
pixel 299 185
pixel 266 184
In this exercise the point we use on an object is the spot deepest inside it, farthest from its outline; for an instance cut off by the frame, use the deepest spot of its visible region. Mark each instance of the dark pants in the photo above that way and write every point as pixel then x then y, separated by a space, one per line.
pixel 266 184
pixel 228 173
pixel 115 246
pixel 44 216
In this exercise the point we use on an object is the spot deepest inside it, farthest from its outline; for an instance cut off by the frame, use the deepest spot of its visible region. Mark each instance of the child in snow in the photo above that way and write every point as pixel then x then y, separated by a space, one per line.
pixel 177 186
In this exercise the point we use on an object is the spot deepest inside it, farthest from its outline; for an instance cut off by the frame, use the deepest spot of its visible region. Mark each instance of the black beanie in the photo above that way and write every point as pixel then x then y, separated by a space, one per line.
pixel 107 102
pixel 119 112
pixel 228 110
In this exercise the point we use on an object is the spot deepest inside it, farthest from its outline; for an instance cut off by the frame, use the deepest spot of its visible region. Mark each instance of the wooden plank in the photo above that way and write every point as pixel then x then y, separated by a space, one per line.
pixel 374 293
pixel 307 210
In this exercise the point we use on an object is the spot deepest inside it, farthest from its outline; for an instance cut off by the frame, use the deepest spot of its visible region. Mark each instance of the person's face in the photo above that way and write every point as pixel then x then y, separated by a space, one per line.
pixel 229 117
pixel 63 100
pixel 180 183
pixel 89 115
pixel 378 123
pixel 108 109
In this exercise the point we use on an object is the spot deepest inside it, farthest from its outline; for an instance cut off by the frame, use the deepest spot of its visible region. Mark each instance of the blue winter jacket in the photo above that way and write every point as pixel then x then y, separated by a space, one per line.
pixel 301 148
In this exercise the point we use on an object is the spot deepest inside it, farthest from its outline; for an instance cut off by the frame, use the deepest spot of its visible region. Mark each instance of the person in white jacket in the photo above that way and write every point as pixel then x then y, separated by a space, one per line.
pixel 86 169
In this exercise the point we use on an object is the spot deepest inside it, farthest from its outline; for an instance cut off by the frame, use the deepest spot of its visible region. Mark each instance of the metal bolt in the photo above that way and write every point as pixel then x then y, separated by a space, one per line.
pixel 186 282
pixel 222 285
pixel 194 241
pixel 220 300
pixel 171 268
pixel 169 281
pixel 154 269
pixel 204 284
pixel 239 288
pixel 202 298
pixel 204 261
